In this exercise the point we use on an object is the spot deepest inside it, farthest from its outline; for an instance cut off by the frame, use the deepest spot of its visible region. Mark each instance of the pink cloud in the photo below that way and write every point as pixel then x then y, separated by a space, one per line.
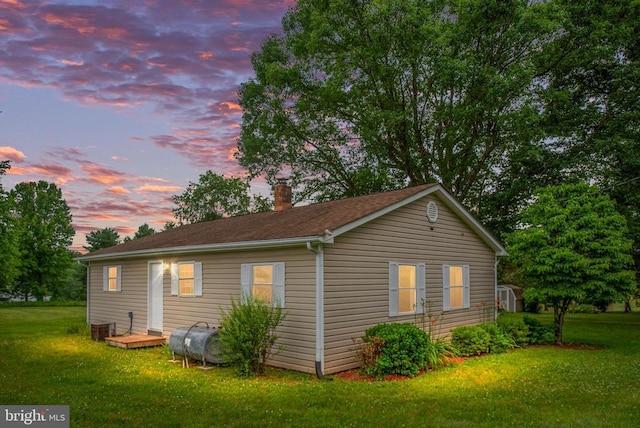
pixel 13 154
pixel 102 175
pixel 58 173
pixel 105 217
pixel 150 188
pixel 117 190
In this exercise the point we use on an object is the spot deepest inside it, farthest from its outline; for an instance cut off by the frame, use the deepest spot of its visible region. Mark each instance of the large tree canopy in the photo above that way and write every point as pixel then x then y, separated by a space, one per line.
pixel 361 96
pixel 357 97
pixel 572 246
pixel 43 223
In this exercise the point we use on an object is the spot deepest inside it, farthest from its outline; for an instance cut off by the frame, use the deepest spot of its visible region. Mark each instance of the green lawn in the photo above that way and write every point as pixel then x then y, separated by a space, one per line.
pixel 47 357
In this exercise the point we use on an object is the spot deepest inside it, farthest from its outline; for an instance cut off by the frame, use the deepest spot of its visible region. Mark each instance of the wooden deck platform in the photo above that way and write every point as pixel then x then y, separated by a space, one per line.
pixel 135 341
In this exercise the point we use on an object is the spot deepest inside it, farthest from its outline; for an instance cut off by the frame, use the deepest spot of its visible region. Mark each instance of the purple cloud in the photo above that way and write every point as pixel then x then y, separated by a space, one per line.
pixel 185 57
pixel 183 60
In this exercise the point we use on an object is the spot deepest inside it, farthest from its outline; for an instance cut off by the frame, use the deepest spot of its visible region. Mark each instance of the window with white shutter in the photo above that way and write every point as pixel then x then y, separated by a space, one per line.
pixel 406 288
pixel 186 279
pixel 455 287
pixel 264 281
pixel 111 278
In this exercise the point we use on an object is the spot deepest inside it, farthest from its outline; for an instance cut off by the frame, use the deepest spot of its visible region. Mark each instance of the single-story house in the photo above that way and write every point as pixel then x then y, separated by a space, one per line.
pixel 336 267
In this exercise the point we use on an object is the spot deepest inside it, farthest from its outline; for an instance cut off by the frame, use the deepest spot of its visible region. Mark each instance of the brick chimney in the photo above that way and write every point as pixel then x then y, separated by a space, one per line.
pixel 282 195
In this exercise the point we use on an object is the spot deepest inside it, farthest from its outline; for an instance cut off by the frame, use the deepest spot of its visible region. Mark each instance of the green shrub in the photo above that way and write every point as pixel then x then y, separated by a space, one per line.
pixel 516 328
pixel 583 308
pixel 399 349
pixel 248 334
pixel 540 333
pixel 499 341
pixel 470 340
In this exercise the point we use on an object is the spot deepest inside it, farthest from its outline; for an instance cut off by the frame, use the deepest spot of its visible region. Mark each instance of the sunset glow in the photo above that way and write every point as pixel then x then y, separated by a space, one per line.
pixel 121 104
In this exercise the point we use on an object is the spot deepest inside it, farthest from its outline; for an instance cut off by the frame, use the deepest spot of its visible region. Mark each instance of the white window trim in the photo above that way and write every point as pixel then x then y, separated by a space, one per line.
pixel 466 287
pixel 394 288
pixel 278 287
pixel 197 279
pixel 105 279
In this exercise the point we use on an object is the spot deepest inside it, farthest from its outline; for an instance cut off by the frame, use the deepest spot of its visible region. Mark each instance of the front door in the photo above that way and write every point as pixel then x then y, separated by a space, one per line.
pixel 154 319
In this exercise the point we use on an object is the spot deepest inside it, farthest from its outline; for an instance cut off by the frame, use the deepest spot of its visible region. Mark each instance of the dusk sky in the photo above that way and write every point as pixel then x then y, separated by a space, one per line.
pixel 122 103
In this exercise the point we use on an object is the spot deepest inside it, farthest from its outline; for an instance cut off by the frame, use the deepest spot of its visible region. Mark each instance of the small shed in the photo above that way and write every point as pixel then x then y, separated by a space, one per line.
pixel 510 297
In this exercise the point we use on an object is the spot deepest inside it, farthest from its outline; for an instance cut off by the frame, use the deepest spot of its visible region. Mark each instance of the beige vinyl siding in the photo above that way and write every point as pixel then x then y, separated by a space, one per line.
pixel 112 306
pixel 220 282
pixel 357 274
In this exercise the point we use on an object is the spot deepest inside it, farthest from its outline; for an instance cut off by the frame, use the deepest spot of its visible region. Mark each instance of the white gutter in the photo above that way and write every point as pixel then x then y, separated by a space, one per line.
pixel 188 249
pixel 319 252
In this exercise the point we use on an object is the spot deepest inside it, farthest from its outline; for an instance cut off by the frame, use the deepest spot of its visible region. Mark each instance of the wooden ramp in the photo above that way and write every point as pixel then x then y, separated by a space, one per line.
pixel 135 341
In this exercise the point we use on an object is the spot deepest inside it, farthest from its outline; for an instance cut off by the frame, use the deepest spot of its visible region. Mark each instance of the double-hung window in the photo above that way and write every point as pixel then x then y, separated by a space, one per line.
pixel 264 281
pixel 186 279
pixel 111 278
pixel 455 287
pixel 406 288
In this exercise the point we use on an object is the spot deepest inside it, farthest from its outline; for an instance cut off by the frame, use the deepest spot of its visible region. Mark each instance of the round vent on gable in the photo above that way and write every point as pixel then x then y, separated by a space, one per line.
pixel 432 211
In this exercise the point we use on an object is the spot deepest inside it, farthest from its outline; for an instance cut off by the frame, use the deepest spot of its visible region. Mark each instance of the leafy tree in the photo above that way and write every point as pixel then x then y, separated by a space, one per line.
pixel 215 197
pixel 101 238
pixel 357 97
pixel 44 230
pixel 491 98
pixel 5 165
pixel 9 259
pixel 572 246
pixel 592 102
pixel 143 230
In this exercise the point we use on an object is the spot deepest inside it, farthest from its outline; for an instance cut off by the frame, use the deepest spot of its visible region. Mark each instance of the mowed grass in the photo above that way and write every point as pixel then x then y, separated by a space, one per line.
pixel 47 357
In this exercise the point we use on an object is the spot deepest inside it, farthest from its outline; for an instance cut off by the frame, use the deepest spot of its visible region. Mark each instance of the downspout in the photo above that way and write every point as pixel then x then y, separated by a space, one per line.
pixel 495 288
pixel 319 252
